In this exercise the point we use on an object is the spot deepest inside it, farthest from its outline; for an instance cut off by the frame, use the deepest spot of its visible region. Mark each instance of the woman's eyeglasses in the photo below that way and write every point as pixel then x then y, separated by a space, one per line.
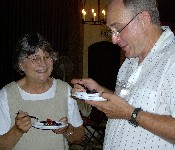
pixel 36 60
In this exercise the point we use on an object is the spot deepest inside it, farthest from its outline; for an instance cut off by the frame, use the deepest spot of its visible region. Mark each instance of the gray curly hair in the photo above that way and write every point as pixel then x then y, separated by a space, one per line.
pixel 29 44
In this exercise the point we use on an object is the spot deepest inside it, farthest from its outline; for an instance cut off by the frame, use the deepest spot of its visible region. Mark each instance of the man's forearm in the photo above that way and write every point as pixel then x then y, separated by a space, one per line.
pixel 161 125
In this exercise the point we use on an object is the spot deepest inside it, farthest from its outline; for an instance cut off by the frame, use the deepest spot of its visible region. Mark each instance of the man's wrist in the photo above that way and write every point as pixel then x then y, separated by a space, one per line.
pixel 134 115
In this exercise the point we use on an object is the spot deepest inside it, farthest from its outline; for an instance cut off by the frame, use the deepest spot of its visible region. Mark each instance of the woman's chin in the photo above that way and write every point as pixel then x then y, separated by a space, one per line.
pixel 42 78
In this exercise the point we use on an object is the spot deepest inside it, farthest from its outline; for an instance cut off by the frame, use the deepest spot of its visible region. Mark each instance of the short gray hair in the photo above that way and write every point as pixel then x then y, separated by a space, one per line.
pixel 136 6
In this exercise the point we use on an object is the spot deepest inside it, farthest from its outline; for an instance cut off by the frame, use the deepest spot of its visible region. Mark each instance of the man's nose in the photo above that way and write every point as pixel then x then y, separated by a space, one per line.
pixel 115 39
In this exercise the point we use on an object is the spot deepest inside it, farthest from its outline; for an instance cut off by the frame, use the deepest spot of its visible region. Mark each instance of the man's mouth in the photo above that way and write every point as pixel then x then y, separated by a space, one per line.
pixel 124 48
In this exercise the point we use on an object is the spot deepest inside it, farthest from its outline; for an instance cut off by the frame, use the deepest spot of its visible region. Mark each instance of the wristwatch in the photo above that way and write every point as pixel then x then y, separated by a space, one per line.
pixel 133 121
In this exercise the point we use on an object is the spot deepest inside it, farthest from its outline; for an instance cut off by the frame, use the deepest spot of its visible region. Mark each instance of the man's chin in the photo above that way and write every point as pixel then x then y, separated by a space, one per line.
pixel 129 55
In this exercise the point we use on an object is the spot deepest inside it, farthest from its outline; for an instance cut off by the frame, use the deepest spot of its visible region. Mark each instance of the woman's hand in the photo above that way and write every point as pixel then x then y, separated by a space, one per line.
pixel 62 130
pixel 23 122
pixel 72 134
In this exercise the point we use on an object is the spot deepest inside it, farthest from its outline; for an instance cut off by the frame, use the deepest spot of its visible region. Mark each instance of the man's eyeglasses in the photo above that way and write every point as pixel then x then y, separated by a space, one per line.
pixel 117 33
pixel 36 60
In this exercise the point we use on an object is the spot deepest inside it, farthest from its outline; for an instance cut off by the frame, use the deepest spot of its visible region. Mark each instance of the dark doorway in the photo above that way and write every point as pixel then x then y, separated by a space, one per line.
pixel 104 63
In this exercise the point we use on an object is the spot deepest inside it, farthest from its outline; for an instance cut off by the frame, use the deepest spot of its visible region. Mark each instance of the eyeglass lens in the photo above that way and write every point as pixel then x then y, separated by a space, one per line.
pixel 117 33
pixel 37 59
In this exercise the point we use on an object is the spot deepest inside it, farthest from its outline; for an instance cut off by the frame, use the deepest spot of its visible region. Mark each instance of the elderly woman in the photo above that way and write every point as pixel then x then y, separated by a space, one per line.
pixel 37 94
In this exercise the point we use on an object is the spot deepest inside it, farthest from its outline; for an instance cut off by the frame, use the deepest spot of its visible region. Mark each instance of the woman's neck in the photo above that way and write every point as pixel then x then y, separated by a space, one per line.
pixel 35 87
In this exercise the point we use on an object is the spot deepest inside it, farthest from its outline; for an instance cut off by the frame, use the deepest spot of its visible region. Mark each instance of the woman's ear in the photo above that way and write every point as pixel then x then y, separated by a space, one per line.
pixel 21 67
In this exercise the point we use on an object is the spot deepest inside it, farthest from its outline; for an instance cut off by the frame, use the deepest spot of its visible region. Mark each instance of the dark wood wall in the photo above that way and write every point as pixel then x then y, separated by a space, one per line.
pixel 57 20
pixel 167 10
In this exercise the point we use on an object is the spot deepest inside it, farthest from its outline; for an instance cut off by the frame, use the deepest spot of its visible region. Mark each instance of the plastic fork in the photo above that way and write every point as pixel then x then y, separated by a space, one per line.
pixel 31 116
pixel 87 90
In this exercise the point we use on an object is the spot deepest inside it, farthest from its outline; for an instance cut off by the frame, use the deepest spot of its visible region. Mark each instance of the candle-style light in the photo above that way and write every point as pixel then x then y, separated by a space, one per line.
pixel 103 12
pixel 98 16
pixel 84 14
pixel 92 11
pixel 94 16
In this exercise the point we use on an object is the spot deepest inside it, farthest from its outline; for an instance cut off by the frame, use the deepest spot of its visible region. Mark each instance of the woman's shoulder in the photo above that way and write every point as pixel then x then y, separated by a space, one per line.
pixel 58 81
pixel 14 83
pixel 10 85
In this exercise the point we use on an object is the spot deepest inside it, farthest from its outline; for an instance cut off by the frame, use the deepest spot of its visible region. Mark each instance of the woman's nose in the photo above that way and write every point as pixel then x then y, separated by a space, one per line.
pixel 43 62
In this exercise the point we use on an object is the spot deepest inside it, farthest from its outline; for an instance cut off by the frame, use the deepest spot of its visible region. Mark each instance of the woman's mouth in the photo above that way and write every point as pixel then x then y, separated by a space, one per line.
pixel 41 71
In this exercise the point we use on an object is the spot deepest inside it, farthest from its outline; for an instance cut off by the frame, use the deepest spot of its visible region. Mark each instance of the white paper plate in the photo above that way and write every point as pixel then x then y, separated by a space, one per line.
pixel 86 96
pixel 40 125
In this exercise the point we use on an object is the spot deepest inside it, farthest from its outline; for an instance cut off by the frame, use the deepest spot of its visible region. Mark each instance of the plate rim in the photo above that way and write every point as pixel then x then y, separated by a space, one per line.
pixel 43 127
pixel 86 95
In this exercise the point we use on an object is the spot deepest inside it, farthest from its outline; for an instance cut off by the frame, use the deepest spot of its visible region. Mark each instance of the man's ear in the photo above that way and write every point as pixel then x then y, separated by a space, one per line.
pixel 146 19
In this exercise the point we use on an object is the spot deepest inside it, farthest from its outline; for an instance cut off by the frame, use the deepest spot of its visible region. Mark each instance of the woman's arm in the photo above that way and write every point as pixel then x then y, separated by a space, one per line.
pixel 9 139
pixel 74 134
pixel 22 125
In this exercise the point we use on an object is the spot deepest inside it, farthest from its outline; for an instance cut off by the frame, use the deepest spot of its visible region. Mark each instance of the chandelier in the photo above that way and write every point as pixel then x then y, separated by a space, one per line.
pixel 98 16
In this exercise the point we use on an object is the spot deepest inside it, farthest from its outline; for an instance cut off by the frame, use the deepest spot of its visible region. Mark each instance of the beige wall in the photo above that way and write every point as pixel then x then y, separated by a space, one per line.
pixel 92 33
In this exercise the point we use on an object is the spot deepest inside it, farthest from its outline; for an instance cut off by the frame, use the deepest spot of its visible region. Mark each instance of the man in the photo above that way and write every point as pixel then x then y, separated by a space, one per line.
pixel 141 111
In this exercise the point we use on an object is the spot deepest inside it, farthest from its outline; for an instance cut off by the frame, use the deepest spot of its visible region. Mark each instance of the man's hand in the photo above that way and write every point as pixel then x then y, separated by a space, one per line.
pixel 115 107
pixel 81 85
